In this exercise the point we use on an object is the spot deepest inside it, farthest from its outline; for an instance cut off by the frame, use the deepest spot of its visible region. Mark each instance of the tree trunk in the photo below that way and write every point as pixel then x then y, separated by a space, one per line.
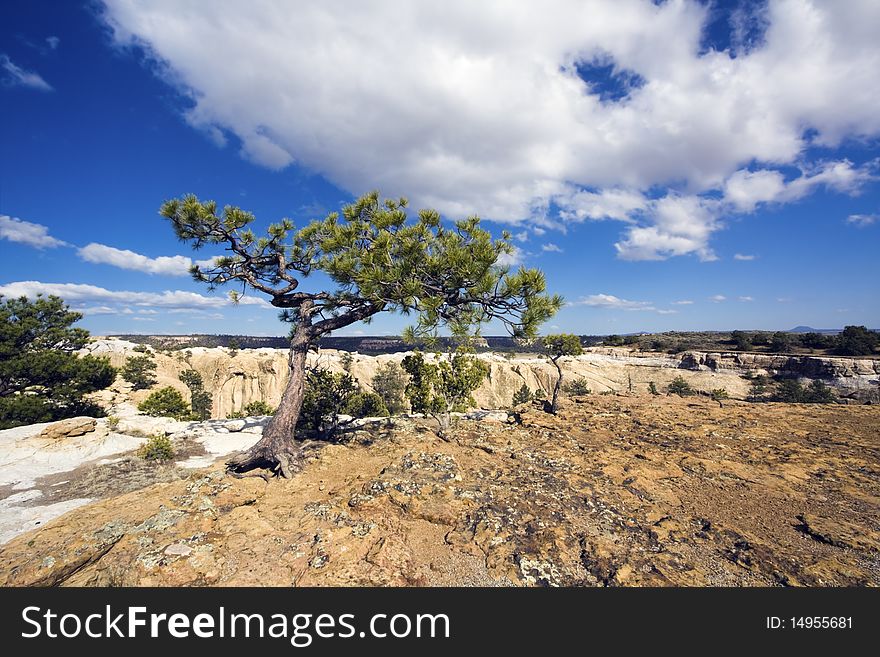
pixel 554 403
pixel 278 449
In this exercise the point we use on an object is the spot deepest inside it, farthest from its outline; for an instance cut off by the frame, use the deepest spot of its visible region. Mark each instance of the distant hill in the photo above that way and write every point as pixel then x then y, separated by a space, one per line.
pixel 810 329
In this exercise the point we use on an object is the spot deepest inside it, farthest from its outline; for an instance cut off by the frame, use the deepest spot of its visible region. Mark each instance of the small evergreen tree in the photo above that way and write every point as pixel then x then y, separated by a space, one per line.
pixel 652 388
pixel 857 341
pixel 366 404
pixel 742 341
pixel 165 402
pixel 680 387
pixel 200 399
pixel 558 347
pixel 140 371
pixel 523 396
pixel 157 448
pixel 781 342
pixel 389 383
pixel 41 377
pixel 327 395
pixel 719 395
pixel 442 387
pixel 257 408
pixel 578 388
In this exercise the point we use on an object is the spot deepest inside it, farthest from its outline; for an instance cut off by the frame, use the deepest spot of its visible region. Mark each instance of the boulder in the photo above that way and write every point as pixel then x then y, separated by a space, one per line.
pixel 75 426
pixel 235 425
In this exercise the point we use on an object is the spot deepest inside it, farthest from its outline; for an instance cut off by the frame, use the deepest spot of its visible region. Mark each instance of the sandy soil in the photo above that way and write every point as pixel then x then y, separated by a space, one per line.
pixel 614 491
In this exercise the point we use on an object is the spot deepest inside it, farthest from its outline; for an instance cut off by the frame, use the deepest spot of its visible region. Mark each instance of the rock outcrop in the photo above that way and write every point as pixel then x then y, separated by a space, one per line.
pixel 615 491
pixel 235 379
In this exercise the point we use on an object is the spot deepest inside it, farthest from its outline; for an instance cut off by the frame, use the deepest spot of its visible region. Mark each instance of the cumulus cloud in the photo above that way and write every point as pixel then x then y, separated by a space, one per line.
pixel 862 220
pixel 124 259
pixel 718 298
pixel 745 190
pixel 551 248
pixel 15 76
pixel 477 108
pixel 25 232
pixel 103 301
pixel 610 301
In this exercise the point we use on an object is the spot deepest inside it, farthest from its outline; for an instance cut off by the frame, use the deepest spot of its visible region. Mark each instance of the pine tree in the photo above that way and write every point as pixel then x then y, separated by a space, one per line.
pixel 379 262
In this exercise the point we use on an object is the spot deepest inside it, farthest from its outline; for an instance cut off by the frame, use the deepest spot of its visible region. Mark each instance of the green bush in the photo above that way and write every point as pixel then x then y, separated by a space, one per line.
pixel 792 392
pixel 366 404
pixel 326 396
pixel 857 341
pixel 42 379
pixel 390 384
pixel 523 396
pixel 139 371
pixel 578 387
pixel 255 408
pixel 200 399
pixel 157 448
pixel 680 387
pixel 441 387
pixel 652 388
pixel 719 395
pixel 166 402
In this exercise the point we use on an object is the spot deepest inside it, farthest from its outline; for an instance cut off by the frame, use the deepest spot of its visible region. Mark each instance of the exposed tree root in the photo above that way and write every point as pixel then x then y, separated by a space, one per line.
pixel 284 462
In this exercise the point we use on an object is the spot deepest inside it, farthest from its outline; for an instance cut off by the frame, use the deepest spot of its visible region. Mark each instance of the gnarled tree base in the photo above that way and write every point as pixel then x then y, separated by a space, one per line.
pixel 283 460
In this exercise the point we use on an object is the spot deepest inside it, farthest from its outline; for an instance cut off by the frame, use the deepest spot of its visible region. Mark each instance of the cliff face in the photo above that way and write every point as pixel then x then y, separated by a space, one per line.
pixel 261 374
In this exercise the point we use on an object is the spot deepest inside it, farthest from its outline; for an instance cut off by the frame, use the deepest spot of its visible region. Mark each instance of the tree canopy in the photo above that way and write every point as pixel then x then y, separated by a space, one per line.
pixel 444 275
pixel 41 377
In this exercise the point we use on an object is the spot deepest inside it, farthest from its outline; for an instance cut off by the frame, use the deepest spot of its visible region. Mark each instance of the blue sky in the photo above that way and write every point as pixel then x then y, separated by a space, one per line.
pixel 670 166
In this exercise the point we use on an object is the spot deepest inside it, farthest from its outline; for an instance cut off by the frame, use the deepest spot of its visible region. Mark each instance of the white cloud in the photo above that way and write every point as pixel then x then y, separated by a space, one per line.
pixel 745 190
pixel 122 301
pixel 124 259
pixel 516 257
pixel 25 232
pixel 669 311
pixel 743 257
pixel 522 236
pixel 683 302
pixel 15 76
pixel 746 299
pixel 551 248
pixel 718 298
pixel 611 301
pixel 53 42
pixel 479 108
pixel 862 220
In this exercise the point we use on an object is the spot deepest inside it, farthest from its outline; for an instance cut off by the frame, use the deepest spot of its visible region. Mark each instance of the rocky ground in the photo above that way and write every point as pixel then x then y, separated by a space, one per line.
pixel 616 490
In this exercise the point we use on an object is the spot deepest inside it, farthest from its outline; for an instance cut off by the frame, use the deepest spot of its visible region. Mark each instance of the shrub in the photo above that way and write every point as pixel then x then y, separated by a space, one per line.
pixel 166 402
pixel 346 360
pixel 112 423
pixel 389 383
pixel 652 388
pixel 366 404
pixel 792 392
pixel 41 377
pixel 741 340
pixel 857 341
pixel 200 399
pixel 719 395
pixel 326 396
pixel 680 387
pixel 577 387
pixel 781 341
pixel 258 408
pixel 444 386
pixel 522 396
pixel 140 371
pixel 157 448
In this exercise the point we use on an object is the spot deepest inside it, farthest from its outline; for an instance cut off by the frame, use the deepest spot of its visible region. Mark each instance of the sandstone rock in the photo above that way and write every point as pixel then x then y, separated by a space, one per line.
pixel 261 374
pixel 75 426
pixel 235 425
